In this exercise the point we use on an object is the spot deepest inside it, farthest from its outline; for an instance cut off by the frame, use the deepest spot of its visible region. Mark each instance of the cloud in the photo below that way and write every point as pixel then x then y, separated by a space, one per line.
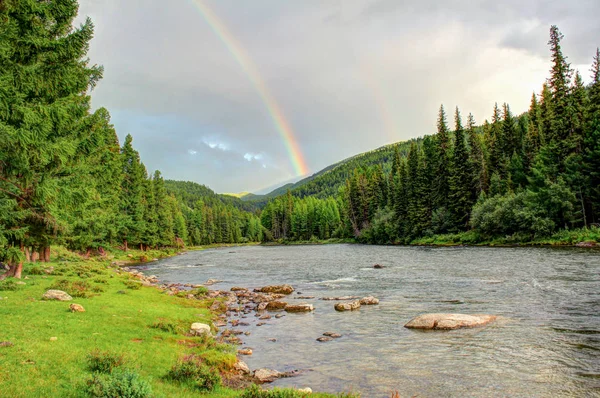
pixel 192 152
pixel 252 156
pixel 348 76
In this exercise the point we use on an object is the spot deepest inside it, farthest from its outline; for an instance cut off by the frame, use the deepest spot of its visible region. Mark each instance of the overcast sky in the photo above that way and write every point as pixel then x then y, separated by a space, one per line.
pixel 349 75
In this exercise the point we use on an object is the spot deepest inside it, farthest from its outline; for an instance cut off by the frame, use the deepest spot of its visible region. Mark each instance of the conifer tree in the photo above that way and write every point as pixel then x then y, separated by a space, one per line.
pixel 44 81
pixel 441 185
pixel 133 185
pixel 476 160
pixel 461 178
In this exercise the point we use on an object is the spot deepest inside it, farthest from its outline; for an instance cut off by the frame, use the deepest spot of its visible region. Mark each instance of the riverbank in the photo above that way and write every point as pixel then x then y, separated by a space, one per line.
pixel 129 333
pixel 588 238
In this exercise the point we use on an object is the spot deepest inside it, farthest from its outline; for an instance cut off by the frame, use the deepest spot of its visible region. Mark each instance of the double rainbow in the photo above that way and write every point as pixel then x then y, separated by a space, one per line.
pixel 282 126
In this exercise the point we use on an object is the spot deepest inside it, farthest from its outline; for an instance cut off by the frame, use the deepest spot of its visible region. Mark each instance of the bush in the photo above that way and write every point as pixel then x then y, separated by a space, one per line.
pixel 200 291
pixel 191 370
pixel 104 361
pixel 8 284
pixel 35 270
pixel 133 285
pixel 122 384
pixel 75 288
pixel 167 326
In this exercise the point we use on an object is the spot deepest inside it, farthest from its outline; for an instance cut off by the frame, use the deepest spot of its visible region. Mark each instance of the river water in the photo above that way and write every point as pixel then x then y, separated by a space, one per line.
pixel 545 343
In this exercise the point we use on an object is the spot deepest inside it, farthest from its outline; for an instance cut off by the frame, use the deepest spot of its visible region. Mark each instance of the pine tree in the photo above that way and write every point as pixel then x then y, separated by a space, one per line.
pixel 44 81
pixel 461 178
pixel 476 160
pixel 441 185
pixel 533 138
pixel 133 185
pixel 591 157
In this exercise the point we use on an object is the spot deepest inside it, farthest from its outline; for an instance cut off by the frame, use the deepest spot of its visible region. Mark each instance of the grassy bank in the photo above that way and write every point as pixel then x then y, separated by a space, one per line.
pixel 562 238
pixel 135 334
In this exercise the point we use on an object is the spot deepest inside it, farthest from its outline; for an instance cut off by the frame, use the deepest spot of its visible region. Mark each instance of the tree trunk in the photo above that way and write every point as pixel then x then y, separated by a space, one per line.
pixel 13 272
pixel 41 253
pixel 27 254
pixel 88 252
pixel 34 255
pixel 125 245
pixel 101 251
pixel 47 254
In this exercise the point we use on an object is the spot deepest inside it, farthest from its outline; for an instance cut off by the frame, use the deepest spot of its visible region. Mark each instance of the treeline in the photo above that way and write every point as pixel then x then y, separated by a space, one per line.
pixel 288 217
pixel 64 179
pixel 525 176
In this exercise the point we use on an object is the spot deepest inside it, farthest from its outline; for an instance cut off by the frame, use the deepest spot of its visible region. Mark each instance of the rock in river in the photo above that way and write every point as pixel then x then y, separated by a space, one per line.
pixel 56 295
pixel 266 375
pixel 449 321
pixel 354 305
pixel 299 308
pixel 280 289
pixel 276 305
pixel 369 301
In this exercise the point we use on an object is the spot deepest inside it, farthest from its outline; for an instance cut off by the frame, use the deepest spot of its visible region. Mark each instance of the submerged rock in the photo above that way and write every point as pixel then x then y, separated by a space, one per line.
pixel 276 305
pixel 332 335
pixel 449 321
pixel 245 351
pixel 299 307
pixel 378 266
pixel 354 305
pixel 280 289
pixel 324 339
pixel 340 298
pixel 369 301
pixel 56 295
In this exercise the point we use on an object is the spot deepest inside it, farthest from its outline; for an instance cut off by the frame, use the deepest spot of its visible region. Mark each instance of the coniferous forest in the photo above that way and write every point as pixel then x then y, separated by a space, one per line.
pixel 521 176
pixel 65 179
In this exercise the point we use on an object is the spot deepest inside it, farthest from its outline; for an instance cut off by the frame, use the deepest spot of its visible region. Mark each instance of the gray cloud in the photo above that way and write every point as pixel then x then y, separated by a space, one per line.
pixel 349 75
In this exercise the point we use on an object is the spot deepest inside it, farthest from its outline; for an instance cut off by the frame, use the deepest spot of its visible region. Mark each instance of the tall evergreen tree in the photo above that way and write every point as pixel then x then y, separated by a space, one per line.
pixel 461 178
pixel 44 81
pixel 442 184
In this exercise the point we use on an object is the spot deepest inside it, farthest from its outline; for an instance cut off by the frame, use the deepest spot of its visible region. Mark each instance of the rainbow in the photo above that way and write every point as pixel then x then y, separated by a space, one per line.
pixel 282 126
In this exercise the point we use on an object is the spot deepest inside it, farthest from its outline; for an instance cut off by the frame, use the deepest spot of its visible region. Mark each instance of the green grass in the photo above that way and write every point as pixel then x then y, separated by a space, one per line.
pixel 561 238
pixel 141 334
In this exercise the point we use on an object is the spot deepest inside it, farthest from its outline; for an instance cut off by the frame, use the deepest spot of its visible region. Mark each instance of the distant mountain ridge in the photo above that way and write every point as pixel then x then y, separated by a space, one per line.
pixel 327 181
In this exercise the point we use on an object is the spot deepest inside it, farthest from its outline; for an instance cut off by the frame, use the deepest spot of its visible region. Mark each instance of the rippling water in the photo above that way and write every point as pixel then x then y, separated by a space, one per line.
pixel 546 342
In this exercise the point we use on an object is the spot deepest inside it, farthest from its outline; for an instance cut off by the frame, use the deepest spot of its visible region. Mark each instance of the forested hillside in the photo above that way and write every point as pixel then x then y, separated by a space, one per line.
pixel 520 178
pixel 64 178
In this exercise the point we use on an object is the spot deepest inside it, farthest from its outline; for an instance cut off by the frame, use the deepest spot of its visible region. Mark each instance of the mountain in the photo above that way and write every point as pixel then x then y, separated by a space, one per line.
pixel 327 182
pixel 189 192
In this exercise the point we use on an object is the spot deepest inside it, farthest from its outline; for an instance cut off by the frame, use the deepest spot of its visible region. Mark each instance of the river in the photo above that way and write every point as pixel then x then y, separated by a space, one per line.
pixel 546 341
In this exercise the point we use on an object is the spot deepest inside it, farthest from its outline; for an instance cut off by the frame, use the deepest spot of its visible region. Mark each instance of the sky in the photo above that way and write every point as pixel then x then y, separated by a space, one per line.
pixel 241 95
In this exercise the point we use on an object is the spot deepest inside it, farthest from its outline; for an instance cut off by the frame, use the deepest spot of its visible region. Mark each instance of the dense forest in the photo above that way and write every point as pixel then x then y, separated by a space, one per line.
pixel 64 177
pixel 524 176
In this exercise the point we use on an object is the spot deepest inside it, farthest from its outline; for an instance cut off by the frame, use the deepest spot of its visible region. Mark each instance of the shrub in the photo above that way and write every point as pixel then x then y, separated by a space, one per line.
pixel 75 288
pixel 167 326
pixel 8 284
pixel 191 370
pixel 255 391
pixel 104 361
pixel 35 270
pixel 200 291
pixel 133 285
pixel 122 384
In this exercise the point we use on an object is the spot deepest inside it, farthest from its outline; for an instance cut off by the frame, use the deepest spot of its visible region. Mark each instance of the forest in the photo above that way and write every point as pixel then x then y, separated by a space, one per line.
pixel 65 179
pixel 524 177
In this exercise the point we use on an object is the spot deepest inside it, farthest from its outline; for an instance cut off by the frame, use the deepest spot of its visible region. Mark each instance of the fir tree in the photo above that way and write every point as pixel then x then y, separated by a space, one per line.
pixel 461 178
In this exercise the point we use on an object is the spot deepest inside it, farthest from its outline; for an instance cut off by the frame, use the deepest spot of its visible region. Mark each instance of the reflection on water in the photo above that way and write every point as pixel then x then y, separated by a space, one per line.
pixel 546 342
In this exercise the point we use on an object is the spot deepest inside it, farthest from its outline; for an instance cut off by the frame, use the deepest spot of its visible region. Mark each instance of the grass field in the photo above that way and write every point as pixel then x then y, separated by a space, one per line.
pixel 47 347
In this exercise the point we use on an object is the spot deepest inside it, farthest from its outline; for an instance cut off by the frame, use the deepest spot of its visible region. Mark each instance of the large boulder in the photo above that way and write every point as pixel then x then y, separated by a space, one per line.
pixel 369 301
pixel 280 289
pixel 351 306
pixel 299 307
pixel 56 295
pixel 199 329
pixel 449 321
pixel 241 366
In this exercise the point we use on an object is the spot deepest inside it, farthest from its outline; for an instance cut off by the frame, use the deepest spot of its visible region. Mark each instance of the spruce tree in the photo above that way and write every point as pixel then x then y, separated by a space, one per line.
pixel 441 185
pixel 44 80
pixel 461 178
